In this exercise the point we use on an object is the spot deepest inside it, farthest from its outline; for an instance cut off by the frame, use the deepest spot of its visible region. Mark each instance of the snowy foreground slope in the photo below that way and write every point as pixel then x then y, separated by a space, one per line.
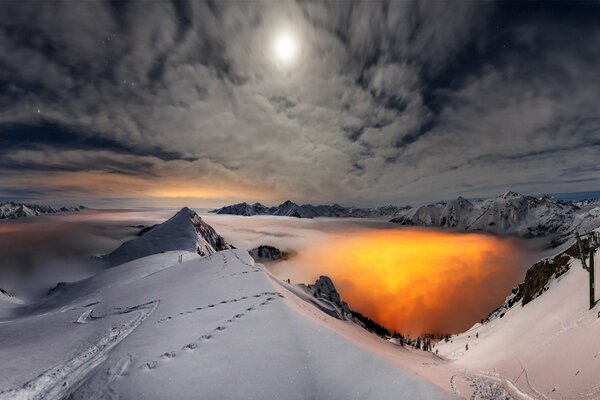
pixel 547 349
pixel 214 327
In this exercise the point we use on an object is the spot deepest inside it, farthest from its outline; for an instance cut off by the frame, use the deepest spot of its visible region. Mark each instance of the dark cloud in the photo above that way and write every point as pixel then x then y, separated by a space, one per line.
pixel 400 102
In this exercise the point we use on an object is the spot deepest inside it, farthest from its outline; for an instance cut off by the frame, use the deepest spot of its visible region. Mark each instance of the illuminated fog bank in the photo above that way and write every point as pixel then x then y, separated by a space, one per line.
pixel 410 279
pixel 418 281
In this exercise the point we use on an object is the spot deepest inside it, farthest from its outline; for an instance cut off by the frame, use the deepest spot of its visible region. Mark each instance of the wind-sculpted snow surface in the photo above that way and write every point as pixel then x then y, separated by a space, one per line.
pixel 213 326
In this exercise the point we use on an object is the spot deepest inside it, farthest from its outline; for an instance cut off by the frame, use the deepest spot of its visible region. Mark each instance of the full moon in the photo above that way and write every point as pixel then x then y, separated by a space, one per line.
pixel 285 48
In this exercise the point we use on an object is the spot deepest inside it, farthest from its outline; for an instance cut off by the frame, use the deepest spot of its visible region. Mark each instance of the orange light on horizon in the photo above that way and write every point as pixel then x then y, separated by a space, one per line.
pixel 83 185
pixel 419 281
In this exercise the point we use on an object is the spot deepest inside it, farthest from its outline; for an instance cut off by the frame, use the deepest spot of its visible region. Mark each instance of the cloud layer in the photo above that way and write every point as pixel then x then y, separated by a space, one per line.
pixel 401 102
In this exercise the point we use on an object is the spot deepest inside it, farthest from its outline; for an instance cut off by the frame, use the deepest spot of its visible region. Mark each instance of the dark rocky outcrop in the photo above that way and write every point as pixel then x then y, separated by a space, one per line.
pixel 267 253
pixel 538 278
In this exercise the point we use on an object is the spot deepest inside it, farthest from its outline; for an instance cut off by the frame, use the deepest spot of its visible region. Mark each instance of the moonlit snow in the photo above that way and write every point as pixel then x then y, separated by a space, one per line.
pixel 218 326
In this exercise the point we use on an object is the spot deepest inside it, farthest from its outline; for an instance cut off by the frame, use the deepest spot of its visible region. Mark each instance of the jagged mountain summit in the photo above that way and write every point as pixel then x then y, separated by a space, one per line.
pixel 290 209
pixel 13 210
pixel 324 289
pixel 509 214
pixel 184 231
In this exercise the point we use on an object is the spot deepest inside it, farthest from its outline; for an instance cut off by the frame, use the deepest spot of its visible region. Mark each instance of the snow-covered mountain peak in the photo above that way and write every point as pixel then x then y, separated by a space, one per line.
pixel 511 213
pixel 511 195
pixel 184 231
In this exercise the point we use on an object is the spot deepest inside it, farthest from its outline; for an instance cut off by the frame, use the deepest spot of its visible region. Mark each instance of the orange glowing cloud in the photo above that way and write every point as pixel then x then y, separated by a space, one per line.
pixel 417 281
pixel 83 185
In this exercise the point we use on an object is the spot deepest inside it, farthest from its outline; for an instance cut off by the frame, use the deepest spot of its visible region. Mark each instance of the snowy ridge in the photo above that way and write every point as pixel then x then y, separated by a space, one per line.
pixel 12 210
pixel 291 209
pixel 509 214
pixel 202 326
pixel 184 231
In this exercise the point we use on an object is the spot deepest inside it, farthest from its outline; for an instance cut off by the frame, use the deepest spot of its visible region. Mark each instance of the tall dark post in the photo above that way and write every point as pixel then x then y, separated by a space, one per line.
pixel 592 294
pixel 593 244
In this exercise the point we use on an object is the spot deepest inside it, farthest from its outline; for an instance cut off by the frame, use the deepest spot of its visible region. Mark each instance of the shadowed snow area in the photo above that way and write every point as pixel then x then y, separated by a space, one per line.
pixel 155 328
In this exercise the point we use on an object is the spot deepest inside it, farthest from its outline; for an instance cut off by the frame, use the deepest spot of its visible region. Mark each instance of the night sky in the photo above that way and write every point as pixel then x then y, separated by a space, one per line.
pixel 367 103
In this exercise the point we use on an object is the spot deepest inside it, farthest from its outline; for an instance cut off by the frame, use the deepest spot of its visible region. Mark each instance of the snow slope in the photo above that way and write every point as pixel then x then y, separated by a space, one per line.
pixel 184 231
pixel 212 327
pixel 546 349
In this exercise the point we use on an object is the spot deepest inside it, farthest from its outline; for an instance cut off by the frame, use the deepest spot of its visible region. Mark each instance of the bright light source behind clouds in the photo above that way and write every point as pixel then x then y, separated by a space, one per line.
pixel 285 47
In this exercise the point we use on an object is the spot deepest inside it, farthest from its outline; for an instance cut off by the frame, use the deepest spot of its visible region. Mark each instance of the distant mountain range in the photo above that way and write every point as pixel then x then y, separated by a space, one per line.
pixel 508 214
pixel 291 209
pixel 12 210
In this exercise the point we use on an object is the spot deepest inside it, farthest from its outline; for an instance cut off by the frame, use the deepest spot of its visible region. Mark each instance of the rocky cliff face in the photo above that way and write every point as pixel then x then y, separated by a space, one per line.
pixel 324 289
pixel 538 279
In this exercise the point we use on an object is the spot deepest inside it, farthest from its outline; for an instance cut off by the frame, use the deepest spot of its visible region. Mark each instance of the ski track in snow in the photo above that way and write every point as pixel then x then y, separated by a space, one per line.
pixel 59 381
pixel 193 345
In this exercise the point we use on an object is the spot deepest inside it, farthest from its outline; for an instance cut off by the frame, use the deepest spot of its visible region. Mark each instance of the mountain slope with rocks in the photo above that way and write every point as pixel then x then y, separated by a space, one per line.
pixel 541 342
pixel 509 214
